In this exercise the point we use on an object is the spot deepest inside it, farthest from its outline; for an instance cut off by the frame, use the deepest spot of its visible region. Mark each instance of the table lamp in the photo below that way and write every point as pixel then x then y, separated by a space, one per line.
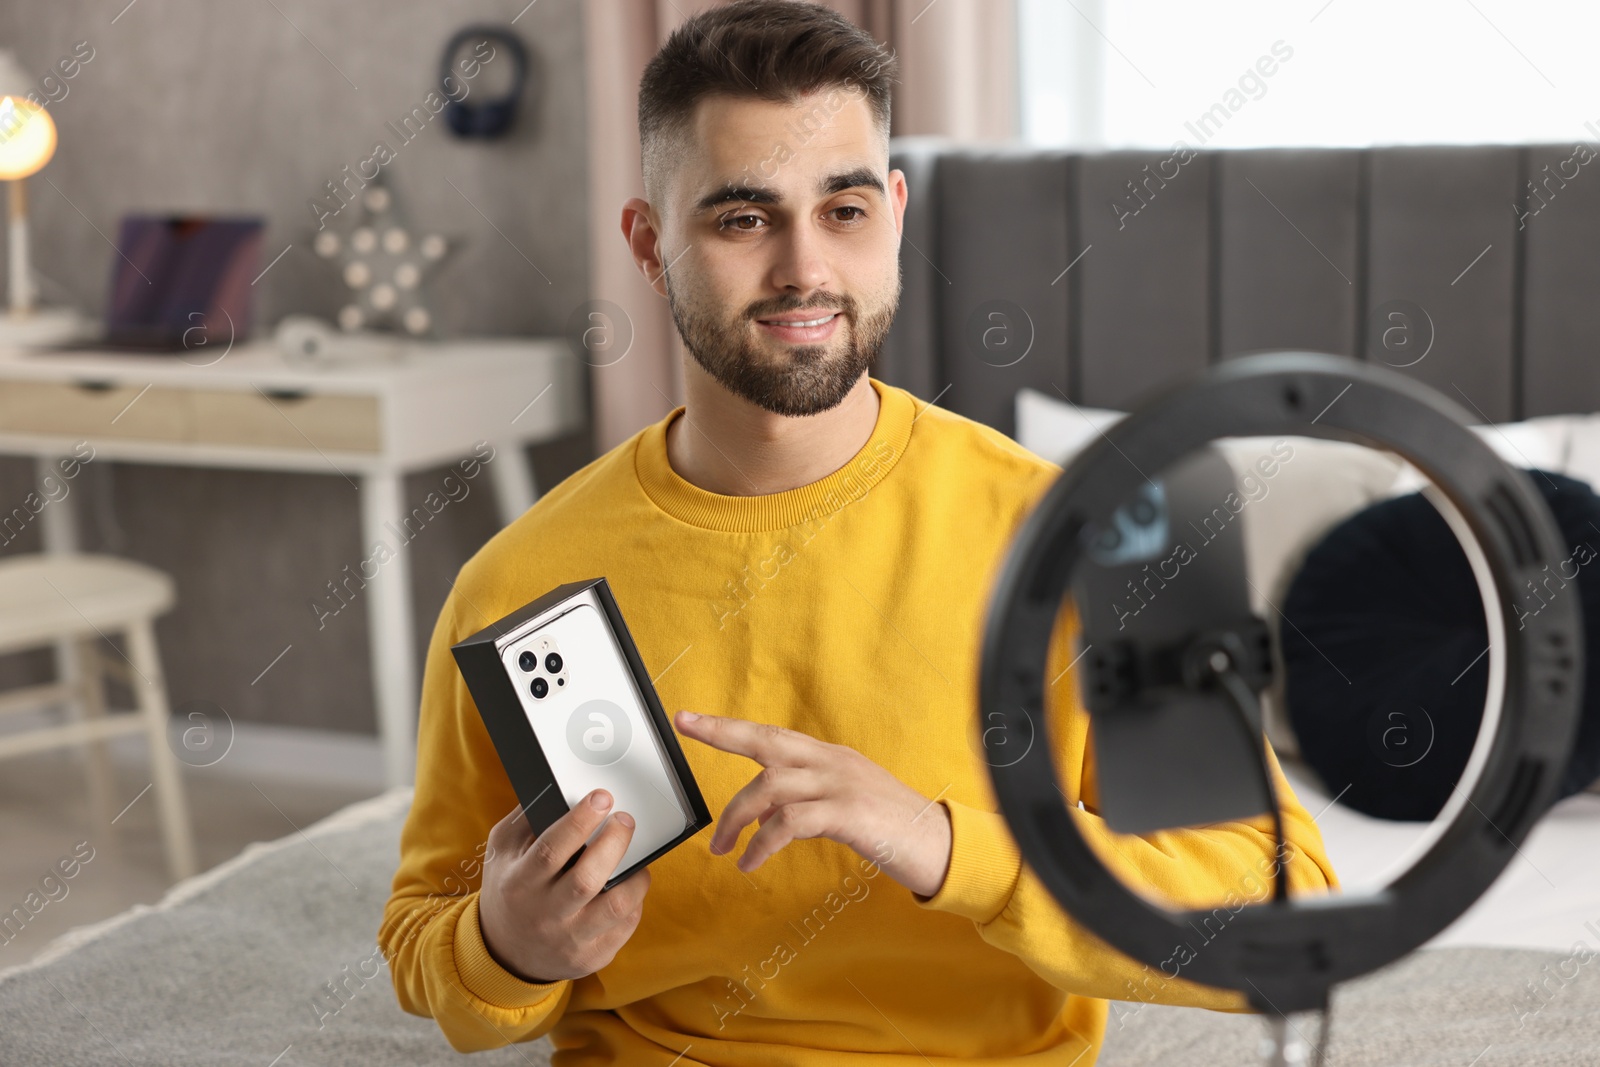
pixel 27 141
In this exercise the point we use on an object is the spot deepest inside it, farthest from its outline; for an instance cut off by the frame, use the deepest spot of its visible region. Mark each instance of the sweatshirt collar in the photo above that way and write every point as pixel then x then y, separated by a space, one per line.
pixel 775 511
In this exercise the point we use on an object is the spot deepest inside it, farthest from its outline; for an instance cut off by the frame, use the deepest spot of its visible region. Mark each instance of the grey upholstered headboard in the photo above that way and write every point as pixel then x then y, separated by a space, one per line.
pixel 1481 260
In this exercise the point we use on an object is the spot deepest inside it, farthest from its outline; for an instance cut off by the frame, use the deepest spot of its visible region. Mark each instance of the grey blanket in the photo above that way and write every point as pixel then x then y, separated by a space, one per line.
pixel 238 966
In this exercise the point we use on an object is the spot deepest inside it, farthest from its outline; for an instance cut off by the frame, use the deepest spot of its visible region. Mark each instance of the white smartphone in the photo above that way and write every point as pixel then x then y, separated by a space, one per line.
pixel 593 726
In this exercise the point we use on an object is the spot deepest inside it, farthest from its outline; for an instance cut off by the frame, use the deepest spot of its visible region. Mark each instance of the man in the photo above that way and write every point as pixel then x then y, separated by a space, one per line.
pixel 804 556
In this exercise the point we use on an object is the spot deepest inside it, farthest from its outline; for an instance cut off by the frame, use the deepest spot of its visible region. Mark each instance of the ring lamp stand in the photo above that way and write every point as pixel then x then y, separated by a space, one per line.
pixel 1286 955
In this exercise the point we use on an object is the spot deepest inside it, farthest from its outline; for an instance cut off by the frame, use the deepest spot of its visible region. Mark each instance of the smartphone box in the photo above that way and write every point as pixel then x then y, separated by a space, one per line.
pixel 599 668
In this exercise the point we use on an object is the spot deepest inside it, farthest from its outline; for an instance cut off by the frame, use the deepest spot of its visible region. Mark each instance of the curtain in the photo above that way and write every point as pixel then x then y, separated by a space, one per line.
pixel 958 79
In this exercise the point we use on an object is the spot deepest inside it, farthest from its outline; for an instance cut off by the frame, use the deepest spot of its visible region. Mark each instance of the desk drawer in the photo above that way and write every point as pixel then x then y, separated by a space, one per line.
pixel 95 413
pixel 297 422
pixel 332 423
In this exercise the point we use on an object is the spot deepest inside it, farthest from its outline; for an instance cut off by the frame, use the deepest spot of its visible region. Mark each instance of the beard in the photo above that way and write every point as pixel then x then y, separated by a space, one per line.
pixel 800 379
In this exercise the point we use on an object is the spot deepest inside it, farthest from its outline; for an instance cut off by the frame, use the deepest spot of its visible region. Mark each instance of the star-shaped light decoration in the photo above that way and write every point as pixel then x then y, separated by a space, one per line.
pixel 383 263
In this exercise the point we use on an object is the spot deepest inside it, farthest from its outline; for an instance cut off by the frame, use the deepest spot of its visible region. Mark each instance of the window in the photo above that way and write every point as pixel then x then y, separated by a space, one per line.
pixel 1253 73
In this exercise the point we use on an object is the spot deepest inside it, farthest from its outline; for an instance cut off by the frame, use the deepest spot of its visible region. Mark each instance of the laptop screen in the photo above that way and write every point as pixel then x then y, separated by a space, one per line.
pixel 178 273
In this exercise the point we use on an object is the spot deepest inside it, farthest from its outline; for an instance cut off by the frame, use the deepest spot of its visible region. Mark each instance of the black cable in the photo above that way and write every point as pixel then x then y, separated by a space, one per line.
pixel 1244 702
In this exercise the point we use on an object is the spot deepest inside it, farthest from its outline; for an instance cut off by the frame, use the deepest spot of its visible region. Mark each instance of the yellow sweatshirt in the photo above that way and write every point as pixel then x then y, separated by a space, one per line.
pixel 849 609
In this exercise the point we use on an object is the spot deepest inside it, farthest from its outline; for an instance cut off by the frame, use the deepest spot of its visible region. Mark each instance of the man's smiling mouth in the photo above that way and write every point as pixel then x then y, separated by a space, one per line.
pixel 806 326
pixel 789 321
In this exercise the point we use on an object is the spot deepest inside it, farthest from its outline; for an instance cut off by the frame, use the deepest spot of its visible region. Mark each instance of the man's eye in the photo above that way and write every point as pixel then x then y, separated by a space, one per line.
pixel 859 214
pixel 735 222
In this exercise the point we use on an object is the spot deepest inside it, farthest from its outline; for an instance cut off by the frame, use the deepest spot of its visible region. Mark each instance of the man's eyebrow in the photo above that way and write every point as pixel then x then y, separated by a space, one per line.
pixel 748 194
pixel 861 177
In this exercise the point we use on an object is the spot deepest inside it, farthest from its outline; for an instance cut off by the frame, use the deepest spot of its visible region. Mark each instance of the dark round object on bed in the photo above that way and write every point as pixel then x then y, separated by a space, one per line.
pixel 1383 647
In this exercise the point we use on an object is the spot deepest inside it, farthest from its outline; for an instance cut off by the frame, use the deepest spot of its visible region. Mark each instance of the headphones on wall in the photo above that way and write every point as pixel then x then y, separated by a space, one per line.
pixel 490 118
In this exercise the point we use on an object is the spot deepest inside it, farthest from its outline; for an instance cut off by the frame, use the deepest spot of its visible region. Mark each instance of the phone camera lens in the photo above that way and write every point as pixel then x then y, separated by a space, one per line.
pixel 527 661
pixel 540 687
pixel 552 663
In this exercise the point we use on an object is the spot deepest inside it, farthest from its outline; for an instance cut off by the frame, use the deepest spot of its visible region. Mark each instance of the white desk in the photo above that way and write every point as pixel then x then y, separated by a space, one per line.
pixel 253 409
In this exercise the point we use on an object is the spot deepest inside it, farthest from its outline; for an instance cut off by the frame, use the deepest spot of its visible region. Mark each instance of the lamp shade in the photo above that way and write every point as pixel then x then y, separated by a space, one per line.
pixel 27 137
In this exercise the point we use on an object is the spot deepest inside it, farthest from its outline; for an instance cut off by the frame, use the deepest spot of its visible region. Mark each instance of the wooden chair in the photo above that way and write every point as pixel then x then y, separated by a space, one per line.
pixel 70 602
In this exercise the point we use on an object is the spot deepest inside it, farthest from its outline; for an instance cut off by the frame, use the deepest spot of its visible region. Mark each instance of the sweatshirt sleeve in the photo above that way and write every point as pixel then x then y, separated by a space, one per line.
pixel 430 933
pixel 1223 866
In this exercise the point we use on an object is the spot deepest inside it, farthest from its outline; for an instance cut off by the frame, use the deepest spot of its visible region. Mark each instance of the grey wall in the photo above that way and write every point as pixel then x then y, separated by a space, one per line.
pixel 250 106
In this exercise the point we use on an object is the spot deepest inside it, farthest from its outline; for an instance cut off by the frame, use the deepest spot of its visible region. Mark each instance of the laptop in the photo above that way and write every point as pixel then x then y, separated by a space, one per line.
pixel 179 283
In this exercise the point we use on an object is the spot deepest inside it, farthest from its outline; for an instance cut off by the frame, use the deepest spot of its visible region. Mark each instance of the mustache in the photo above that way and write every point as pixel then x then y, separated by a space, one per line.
pixel 821 302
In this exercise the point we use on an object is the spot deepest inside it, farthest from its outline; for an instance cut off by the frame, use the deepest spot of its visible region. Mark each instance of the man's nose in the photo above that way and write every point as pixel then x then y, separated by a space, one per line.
pixel 801 266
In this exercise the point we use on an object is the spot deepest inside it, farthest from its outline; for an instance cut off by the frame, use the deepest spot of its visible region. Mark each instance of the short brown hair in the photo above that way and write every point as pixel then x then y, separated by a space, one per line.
pixel 774 50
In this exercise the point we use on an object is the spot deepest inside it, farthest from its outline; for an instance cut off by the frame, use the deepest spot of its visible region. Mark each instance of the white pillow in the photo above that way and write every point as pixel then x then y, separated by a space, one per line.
pixel 1542 442
pixel 1051 427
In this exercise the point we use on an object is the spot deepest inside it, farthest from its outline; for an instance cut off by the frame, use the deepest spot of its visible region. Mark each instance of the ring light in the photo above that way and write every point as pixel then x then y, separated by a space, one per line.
pixel 1286 955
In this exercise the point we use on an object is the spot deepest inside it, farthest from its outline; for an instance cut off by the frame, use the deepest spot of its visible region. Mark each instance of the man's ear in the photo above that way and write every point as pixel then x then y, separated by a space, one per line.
pixel 898 193
pixel 640 230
